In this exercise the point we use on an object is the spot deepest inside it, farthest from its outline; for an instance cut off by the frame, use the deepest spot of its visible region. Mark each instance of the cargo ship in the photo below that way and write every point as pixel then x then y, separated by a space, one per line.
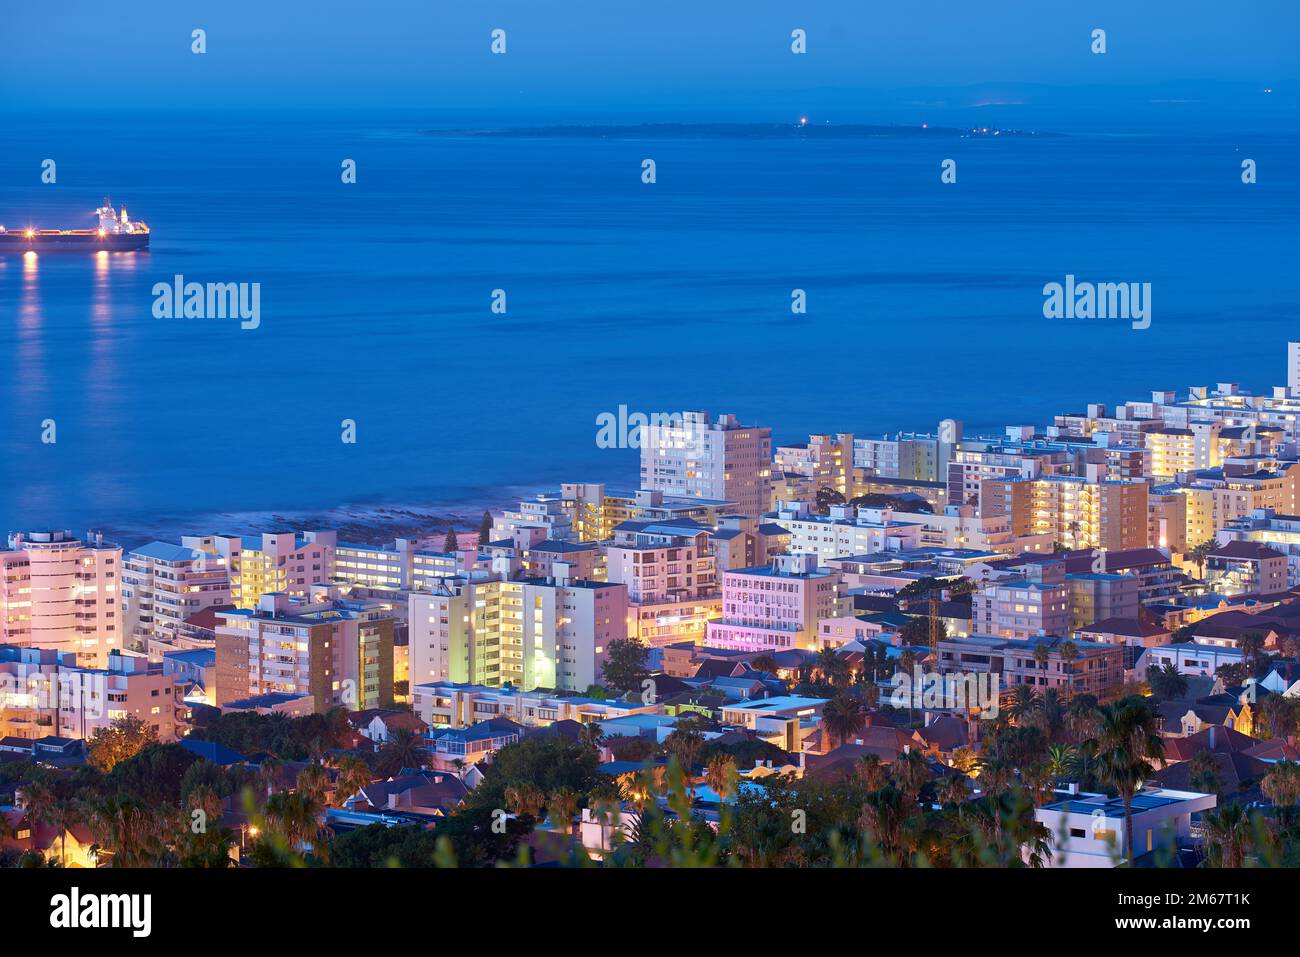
pixel 115 232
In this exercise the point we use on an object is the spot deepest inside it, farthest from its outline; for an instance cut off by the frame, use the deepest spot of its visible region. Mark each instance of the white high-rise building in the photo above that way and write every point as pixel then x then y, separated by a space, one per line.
pixel 60 593
pixel 1293 368
pixel 723 460
pixel 163 584
pixel 528 633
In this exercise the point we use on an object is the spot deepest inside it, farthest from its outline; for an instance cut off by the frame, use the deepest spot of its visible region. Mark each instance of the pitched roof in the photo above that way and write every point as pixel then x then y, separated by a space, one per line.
pixel 1245 550
pixel 1237 770
pixel 1214 738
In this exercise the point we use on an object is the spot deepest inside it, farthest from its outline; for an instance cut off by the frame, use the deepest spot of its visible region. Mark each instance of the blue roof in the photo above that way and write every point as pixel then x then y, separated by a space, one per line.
pixel 203 657
pixel 211 751
pixel 163 551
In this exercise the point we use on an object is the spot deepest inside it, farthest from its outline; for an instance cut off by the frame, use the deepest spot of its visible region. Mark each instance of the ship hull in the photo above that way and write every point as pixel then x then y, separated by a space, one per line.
pixel 79 241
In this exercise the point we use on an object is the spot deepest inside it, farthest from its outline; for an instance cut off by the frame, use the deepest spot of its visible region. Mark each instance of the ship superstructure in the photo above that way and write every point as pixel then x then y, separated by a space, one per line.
pixel 115 232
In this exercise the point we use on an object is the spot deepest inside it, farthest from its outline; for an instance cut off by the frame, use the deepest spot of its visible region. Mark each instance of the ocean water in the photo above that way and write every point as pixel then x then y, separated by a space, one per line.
pixel 924 300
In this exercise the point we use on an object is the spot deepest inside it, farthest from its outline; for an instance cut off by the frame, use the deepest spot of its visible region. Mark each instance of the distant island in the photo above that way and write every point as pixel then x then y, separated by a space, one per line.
pixel 755 131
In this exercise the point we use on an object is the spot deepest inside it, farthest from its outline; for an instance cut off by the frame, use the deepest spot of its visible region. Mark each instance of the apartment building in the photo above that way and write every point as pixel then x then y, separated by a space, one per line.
pixel 1078 511
pixel 1279 532
pixel 61 593
pixel 775 607
pixel 742 542
pixel 551 559
pixel 446 704
pixel 651 505
pixel 45 692
pixel 525 633
pixel 1028 601
pixel 1167 518
pixel 961 526
pixel 1217 497
pixel 846 530
pixel 671 577
pixel 1071 667
pixel 1246 568
pixel 376 566
pixel 1098 596
pixel 272 563
pixel 723 460
pixel 164 584
pixel 589 512
pixel 1184 449
pixel 909 455
pixel 339 651
pixel 826 461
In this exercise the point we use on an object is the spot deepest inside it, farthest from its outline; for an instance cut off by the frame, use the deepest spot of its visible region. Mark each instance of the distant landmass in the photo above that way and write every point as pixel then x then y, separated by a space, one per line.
pixel 756 131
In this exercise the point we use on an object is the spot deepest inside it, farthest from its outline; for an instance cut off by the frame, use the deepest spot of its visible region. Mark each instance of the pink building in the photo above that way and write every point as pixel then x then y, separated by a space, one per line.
pixel 45 692
pixel 1027 602
pixel 671 578
pixel 775 607
pixel 60 593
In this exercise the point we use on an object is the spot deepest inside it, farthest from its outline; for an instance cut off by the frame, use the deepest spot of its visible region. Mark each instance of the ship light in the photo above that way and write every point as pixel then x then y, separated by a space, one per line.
pixel 30 233
pixel 101 232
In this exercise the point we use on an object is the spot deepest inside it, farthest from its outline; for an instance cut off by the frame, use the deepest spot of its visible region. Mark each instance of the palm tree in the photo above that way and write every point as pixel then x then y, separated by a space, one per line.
pixel 203 798
pixel 871 772
pixel 685 744
pixel 883 820
pixel 1069 652
pixel 563 805
pixel 313 782
pixel 64 814
pixel 1252 646
pixel 1081 717
pixel 996 773
pixel 834 669
pixel 1277 716
pixel 268 775
pixel 525 800
pixel 295 819
pixel 764 663
pixel 591 735
pixel 1128 741
pixel 1041 656
pixel 130 830
pixel 910 772
pixel 953 789
pixel 1199 553
pixel 843 716
pixel 1203 771
pixel 720 776
pixel 404 749
pixel 1167 683
pixel 1024 702
pixel 1062 761
pixel 38 806
pixel 1282 785
pixel 354 774
pixel 1227 836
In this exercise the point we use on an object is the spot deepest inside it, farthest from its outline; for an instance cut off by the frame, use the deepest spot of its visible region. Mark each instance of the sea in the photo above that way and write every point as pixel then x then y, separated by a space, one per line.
pixel 924 298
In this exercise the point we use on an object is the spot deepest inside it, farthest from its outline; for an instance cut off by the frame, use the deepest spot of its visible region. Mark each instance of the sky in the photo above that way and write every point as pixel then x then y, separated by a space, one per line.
pixel 611 59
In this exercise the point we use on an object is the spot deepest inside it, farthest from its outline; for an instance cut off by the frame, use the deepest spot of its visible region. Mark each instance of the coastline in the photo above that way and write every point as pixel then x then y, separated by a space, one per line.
pixel 355 523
